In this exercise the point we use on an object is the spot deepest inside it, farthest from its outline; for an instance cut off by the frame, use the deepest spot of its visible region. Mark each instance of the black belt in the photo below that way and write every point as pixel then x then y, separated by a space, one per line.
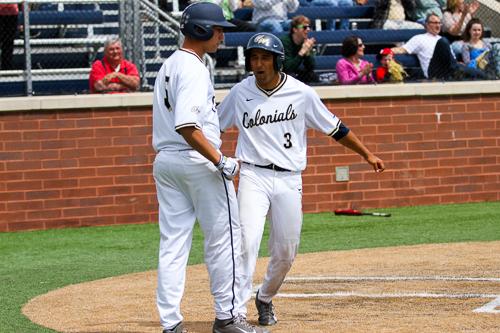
pixel 270 166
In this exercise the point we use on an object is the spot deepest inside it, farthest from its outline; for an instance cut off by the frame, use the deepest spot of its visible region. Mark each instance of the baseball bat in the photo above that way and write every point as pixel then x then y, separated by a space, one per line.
pixel 359 212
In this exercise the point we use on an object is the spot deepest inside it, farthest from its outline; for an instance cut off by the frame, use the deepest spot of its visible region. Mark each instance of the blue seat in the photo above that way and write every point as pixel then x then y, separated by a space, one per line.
pixel 329 62
pixel 45 17
pixel 369 36
pixel 325 12
pixel 61 87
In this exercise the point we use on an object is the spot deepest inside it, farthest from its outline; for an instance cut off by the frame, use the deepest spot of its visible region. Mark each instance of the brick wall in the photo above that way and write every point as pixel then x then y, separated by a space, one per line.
pixel 93 166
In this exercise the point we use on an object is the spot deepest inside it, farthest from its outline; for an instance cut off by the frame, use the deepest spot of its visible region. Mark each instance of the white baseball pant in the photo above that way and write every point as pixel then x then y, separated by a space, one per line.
pixel 190 188
pixel 259 191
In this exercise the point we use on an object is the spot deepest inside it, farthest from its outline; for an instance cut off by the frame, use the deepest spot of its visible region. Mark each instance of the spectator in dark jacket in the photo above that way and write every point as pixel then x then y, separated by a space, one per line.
pixel 8 28
pixel 299 54
pixel 395 14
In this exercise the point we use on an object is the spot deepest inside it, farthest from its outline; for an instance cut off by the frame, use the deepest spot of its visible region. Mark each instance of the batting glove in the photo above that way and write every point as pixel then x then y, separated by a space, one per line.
pixel 228 166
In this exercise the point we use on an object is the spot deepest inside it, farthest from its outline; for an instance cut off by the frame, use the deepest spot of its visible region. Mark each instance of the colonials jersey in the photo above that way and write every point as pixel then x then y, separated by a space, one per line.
pixel 273 124
pixel 183 97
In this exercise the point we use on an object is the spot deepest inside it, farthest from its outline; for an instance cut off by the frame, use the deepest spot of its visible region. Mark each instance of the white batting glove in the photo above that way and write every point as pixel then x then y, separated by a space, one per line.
pixel 228 166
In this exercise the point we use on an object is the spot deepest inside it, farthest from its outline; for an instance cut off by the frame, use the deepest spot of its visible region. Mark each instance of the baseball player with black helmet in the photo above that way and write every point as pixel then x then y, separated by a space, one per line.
pixel 193 178
pixel 272 112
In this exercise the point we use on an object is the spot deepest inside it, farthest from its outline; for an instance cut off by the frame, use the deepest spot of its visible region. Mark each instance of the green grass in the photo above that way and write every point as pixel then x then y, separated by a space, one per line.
pixel 33 263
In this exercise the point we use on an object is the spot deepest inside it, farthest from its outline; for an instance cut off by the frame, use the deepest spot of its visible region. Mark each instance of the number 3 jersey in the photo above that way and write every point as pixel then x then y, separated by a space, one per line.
pixel 273 124
pixel 183 97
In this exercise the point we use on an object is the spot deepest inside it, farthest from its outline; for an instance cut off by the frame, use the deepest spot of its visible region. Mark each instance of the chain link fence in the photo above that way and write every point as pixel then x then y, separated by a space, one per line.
pixel 48 47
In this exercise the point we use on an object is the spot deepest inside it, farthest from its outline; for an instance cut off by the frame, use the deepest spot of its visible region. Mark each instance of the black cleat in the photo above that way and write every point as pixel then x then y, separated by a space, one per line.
pixel 266 312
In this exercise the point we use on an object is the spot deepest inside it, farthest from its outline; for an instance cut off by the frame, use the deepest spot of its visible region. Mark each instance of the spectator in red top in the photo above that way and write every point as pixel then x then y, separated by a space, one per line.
pixel 113 74
pixel 8 29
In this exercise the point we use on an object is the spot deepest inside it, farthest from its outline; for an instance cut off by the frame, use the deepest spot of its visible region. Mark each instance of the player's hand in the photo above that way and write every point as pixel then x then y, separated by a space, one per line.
pixel 376 163
pixel 228 166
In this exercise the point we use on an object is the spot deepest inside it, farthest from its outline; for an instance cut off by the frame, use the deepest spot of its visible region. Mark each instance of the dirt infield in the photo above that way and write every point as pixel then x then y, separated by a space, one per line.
pixel 426 288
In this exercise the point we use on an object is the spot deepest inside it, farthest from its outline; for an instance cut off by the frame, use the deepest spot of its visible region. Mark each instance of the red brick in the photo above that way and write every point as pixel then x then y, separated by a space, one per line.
pixel 95 161
pixel 130 160
pixel 136 218
pixel 60 183
pixel 41 174
pixel 93 143
pixel 10 135
pixel 98 221
pixel 79 211
pixel 24 185
pixel 61 203
pixel 57 124
pixel 58 144
pixel 76 133
pixel 79 192
pixel 44 214
pixel 93 123
pixel 43 195
pixel 114 190
pixel 114 170
pixel 128 121
pixel 41 155
pixel 21 125
pixel 59 164
pixel 62 223
pixel 25 225
pixel 112 132
pixel 20 145
pixel 78 173
pixel 113 151
pixel 96 181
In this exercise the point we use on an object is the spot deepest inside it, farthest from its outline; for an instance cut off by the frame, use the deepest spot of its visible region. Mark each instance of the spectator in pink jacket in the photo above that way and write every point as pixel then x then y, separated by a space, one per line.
pixel 351 69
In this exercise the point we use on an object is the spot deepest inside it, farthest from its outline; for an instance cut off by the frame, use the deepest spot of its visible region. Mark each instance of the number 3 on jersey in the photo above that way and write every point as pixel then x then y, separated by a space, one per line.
pixel 288 143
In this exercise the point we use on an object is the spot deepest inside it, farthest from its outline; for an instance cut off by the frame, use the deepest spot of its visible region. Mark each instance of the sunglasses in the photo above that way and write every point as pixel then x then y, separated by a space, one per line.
pixel 361 45
pixel 304 26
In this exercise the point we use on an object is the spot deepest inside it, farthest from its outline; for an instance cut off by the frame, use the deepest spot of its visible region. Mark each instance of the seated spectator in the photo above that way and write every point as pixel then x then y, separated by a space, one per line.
pixel 426 7
pixel 395 14
pixel 299 54
pixel 8 29
pixel 434 54
pixel 351 69
pixel 113 74
pixel 330 25
pixel 389 70
pixel 228 8
pixel 272 15
pixel 455 18
pixel 475 51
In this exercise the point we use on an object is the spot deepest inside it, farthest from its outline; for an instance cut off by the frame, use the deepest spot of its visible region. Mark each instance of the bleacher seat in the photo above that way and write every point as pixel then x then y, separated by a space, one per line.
pixel 330 61
pixel 327 12
pixel 369 36
pixel 54 17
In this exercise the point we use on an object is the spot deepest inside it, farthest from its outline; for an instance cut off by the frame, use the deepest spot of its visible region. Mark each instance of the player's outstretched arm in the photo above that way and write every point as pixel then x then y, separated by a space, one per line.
pixel 352 142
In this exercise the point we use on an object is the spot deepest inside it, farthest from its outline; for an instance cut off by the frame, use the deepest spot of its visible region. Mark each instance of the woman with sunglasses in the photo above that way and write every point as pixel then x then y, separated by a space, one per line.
pixel 352 69
pixel 299 53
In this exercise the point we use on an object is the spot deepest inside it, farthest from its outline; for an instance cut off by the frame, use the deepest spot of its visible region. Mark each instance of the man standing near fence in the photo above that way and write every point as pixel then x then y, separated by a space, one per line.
pixel 193 178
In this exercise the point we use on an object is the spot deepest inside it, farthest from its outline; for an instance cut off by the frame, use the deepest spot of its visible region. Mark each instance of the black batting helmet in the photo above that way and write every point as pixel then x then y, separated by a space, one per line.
pixel 268 42
pixel 199 18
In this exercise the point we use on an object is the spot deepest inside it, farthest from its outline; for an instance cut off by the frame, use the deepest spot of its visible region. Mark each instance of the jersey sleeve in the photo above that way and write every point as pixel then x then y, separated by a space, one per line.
pixel 318 116
pixel 226 111
pixel 191 91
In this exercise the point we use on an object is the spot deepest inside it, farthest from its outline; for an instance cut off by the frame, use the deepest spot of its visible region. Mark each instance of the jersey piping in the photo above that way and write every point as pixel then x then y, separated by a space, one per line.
pixel 191 52
pixel 278 87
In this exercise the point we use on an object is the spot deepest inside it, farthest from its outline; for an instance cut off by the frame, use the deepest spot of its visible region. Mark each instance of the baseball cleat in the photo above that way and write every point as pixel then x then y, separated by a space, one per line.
pixel 179 328
pixel 237 324
pixel 266 312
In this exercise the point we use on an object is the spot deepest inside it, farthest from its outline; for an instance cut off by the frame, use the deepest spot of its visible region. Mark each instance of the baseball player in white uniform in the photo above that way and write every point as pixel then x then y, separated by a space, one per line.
pixel 193 178
pixel 272 112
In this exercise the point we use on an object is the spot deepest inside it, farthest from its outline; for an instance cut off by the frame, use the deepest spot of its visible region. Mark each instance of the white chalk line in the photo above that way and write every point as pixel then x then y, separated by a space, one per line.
pixel 487 308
